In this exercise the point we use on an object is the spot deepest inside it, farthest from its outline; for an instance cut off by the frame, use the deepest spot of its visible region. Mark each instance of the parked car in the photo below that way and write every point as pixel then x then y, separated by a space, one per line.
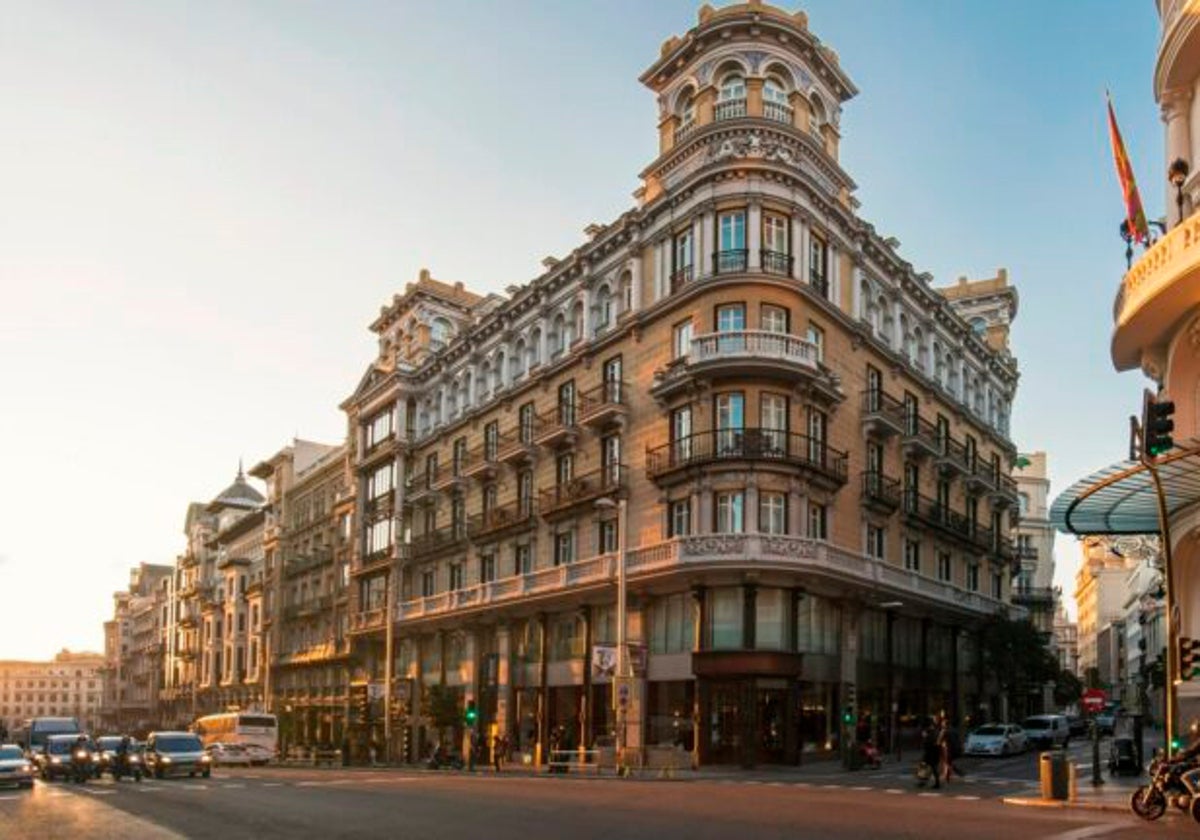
pixel 997 739
pixel 1104 722
pixel 15 768
pixel 228 754
pixel 176 753
pixel 1077 725
pixel 1047 731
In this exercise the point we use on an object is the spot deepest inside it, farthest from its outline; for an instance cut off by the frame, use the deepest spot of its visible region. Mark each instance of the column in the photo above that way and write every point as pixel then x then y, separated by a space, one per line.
pixel 586 329
pixel 503 679
pixel 661 252
pixel 699 722
pixel 1176 107
pixel 471 681
pixel 543 700
pixel 585 706
pixel 749 615
pixel 754 236
pixel 857 307
pixel 751 511
pixel 799 248
pixel 401 415
pixel 704 523
pixel 835 275
pixel 701 260
pixel 635 716
pixel 897 338
pixel 635 278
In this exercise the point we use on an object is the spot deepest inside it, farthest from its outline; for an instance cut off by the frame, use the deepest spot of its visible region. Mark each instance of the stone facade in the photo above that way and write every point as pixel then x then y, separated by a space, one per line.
pixel 70 685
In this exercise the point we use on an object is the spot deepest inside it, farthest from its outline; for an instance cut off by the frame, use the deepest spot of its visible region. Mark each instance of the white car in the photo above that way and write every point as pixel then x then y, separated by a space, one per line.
pixel 15 768
pixel 996 739
pixel 224 755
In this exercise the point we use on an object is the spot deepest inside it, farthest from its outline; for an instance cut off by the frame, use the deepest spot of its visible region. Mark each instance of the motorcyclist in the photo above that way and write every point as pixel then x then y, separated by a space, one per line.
pixel 81 763
pixel 1189 757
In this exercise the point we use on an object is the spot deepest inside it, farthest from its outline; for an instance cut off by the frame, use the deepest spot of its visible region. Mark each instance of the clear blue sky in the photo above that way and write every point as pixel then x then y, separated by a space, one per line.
pixel 205 203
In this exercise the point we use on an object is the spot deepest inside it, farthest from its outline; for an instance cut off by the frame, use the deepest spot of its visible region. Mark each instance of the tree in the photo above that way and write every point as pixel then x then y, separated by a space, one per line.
pixel 440 706
pixel 1068 688
pixel 1015 653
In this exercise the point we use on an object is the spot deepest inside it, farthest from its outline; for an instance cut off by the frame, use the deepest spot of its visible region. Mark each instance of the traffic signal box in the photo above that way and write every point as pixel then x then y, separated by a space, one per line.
pixel 1157 426
pixel 471 715
pixel 360 703
pixel 1189 657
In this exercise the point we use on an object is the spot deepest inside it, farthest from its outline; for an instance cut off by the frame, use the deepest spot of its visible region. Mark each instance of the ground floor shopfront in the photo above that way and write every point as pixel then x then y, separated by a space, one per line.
pixel 725 674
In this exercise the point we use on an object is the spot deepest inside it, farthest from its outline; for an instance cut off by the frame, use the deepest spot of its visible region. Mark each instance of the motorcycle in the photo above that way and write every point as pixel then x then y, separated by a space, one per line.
pixel 441 758
pixel 81 766
pixel 126 765
pixel 1165 788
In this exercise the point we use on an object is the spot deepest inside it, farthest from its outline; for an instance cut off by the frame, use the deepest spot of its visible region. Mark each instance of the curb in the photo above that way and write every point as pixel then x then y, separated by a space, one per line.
pixel 1083 805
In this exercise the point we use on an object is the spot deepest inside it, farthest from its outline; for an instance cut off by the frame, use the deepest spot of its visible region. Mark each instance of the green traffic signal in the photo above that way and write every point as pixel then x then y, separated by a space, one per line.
pixel 472 714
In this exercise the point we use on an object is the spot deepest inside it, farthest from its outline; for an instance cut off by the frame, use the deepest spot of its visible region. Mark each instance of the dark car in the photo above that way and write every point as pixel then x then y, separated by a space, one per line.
pixel 176 753
pixel 54 761
pixel 1077 725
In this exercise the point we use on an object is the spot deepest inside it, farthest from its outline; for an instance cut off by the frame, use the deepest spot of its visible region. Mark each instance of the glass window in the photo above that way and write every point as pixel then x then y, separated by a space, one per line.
pixel 732 231
pixel 973 577
pixel 770 618
pixel 731 419
pixel 772 513
pixel 564 548
pixel 944 571
pixel 522 559
pixel 773 419
pixel 679 518
pixel 912 555
pixel 775 233
pixel 428 583
pixel 725 608
pixel 487 568
pixel 818 626
pixel 683 250
pixel 731 317
pixel 525 417
pixel 729 511
pixel 876 542
pixel 607 537
pixel 671 624
pixel 818 524
pixel 818 265
pixel 681 435
pixel 681 341
pixel 456 576
pixel 564 468
pixel 733 86
pixel 773 319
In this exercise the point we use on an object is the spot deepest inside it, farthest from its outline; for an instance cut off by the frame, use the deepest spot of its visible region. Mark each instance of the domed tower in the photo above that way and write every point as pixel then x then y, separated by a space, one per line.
pixel 749 81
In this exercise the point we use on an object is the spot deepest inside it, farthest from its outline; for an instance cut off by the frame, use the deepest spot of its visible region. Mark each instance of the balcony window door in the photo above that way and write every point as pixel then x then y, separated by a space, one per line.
pixel 525 492
pixel 773 319
pixel 912 486
pixel 564 548
pixel 610 460
pixel 912 556
pixel 681 339
pixel 816 337
pixel 818 521
pixel 491 440
pixel 731 420
pixel 458 515
pixel 912 413
pixel 489 500
pixel 522 559
pixel 487 568
pixel 606 533
pixel 943 433
pixel 731 323
pixel 773 419
pixel 874 389
pixel 525 417
pixel 772 513
pixel 943 500
pixel 612 380
pixel 564 469
pixel 731 239
pixel 428 583
pixel 681 435
pixel 776 244
pixel 875 468
pixel 679 518
pixel 431 468
pixel 459 455
pixel 566 403
pixel 943 566
pixel 817 427
pixel 730 513
pixel 818 265
pixel 682 270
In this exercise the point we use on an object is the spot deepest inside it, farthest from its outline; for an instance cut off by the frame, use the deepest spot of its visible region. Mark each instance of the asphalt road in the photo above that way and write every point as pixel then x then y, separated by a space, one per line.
pixel 286 803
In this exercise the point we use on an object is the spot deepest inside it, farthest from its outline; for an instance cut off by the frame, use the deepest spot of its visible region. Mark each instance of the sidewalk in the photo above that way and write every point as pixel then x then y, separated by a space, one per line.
pixel 1113 795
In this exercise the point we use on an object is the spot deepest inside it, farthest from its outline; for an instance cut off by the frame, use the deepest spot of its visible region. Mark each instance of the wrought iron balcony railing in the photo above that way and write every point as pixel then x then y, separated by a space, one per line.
pixel 752 444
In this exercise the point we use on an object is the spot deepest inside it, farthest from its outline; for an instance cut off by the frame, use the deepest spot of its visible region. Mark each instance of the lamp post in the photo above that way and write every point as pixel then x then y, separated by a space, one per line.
pixel 623 679
pixel 1177 174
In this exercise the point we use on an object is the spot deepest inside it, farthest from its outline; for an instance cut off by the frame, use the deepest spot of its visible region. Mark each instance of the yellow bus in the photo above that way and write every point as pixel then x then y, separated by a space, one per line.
pixel 257 732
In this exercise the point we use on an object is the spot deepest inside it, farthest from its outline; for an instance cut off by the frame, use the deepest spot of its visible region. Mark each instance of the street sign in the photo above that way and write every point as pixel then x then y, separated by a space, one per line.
pixel 1094 699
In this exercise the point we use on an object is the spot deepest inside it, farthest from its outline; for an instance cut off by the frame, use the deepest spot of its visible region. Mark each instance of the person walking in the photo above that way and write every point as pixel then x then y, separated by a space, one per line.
pixel 931 754
pixel 497 751
pixel 949 749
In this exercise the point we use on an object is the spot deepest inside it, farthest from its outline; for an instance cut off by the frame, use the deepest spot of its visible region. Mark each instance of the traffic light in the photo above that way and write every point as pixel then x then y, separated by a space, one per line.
pixel 848 714
pixel 1157 426
pixel 1189 654
pixel 849 709
pixel 472 714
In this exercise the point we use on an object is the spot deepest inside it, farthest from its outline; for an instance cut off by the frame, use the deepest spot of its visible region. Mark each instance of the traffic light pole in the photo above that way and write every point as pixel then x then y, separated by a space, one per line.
pixel 1172 675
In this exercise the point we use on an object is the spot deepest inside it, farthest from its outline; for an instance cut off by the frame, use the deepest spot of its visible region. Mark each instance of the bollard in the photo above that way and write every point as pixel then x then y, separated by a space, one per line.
pixel 1097 779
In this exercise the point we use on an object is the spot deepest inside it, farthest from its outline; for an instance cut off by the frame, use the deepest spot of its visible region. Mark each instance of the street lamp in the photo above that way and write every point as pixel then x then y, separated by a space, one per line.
pixel 1177 173
pixel 623 679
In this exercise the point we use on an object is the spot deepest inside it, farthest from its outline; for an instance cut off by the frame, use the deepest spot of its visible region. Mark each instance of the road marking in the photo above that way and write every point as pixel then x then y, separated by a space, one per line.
pixel 1087 832
pixel 893 790
pixel 832 787
pixel 802 785
pixel 272 784
pixel 232 785
pixel 860 787
pixel 928 793
pixel 968 798
pixel 9 798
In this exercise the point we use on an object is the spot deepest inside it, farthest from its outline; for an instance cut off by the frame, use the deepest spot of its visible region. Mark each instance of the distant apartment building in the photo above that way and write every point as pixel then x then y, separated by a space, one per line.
pixel 1101 590
pixel 1066 641
pixel 133 650
pixel 1033 587
pixel 70 685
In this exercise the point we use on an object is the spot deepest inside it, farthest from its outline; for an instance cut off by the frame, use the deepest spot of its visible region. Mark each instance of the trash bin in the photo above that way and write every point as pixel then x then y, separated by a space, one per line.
pixel 1055 775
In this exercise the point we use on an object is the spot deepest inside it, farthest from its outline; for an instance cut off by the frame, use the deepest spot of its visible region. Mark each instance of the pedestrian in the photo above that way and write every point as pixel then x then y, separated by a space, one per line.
pixel 931 754
pixel 948 748
pixel 497 751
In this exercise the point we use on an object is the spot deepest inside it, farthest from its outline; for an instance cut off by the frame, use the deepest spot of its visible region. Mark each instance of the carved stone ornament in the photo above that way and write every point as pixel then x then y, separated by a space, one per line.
pixel 714 544
pixel 788 547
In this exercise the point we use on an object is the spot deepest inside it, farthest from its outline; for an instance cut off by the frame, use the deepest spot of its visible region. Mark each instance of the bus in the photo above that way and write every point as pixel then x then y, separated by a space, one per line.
pixel 32 733
pixel 258 732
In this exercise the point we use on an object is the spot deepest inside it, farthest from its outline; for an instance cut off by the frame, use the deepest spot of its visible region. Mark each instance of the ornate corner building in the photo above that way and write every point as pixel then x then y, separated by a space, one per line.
pixel 810 443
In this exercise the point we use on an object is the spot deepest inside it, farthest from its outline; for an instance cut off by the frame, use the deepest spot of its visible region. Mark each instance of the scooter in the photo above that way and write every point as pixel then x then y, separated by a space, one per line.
pixel 441 759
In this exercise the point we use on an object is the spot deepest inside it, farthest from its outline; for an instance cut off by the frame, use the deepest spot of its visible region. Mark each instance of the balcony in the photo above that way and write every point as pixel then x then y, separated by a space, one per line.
pixel 1034 596
pixel 778 111
pixel 729 109
pixel 921 438
pixel 952 457
pixel 882 414
pixel 368 621
pixel 1006 490
pixel 1160 286
pixel 382 505
pixel 685 557
pixel 504 520
pixel 922 510
pixel 442 541
pixel 741 353
pixel 982 477
pixel 516 447
pixel 684 129
pixel 776 262
pixel 680 277
pixel 732 261
pixel 374 561
pixel 604 405
pixel 419 489
pixel 557 427
pixel 880 493
pixel 379 451
pixel 446 477
pixel 565 498
pixel 672 462
pixel 482 461
pixel 1027 555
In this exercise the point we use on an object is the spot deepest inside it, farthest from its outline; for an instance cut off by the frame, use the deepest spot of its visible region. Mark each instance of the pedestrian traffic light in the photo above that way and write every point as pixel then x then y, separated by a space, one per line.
pixel 472 714
pixel 1189 656
pixel 1157 426
pixel 848 714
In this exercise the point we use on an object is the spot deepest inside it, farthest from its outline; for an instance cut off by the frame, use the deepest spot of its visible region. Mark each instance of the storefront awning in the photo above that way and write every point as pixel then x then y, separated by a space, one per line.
pixel 1120 499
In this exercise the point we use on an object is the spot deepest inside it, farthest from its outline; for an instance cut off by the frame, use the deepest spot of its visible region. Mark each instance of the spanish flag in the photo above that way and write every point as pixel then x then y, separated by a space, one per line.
pixel 1133 201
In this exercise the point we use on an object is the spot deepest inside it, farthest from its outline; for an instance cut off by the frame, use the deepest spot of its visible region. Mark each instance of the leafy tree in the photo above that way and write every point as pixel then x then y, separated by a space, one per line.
pixel 1068 688
pixel 440 705
pixel 1015 653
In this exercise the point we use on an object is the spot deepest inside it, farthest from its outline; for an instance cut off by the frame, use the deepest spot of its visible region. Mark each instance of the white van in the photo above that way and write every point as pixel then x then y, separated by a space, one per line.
pixel 1047 731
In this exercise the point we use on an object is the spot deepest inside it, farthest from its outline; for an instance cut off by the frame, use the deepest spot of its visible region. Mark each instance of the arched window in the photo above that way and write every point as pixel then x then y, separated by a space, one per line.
pixel 775 101
pixel 731 98
pixel 575 325
pixel 922 356
pixel 440 332
pixel 817 115
pixel 604 309
pixel 535 347
pixel 686 108
pixel 485 380
pixel 626 292
pixel 939 364
pixel 498 372
pixel 517 362
pixel 885 319
pixel 558 338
